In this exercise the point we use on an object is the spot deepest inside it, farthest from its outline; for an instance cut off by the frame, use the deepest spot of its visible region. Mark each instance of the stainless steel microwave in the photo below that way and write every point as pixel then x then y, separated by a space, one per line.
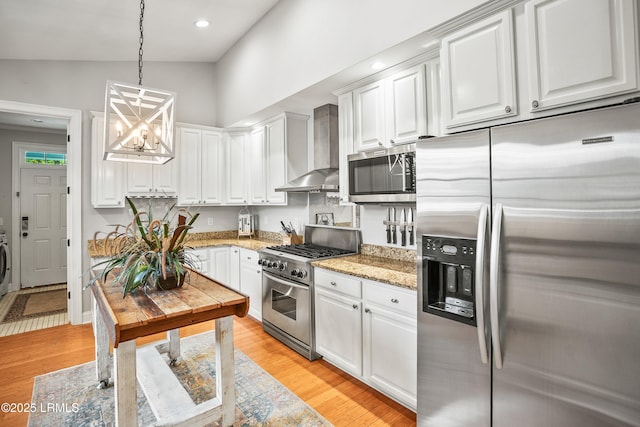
pixel 383 176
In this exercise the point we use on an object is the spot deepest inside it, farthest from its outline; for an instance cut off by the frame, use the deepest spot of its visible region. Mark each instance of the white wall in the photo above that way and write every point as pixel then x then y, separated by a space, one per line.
pixel 302 42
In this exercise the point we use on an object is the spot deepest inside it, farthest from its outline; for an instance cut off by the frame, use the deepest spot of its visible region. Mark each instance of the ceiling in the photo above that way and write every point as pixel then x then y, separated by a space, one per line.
pixel 107 30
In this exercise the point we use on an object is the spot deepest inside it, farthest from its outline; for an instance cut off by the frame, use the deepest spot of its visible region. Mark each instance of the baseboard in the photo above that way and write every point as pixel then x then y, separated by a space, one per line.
pixel 87 317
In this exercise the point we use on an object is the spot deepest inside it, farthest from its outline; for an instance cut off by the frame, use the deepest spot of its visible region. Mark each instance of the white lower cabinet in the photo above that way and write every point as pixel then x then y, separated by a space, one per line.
pixel 390 341
pixel 234 268
pixel 251 281
pixel 339 330
pixel 219 261
pixel 368 329
pixel 202 261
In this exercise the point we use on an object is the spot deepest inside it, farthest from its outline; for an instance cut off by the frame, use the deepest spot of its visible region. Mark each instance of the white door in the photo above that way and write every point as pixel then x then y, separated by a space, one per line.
pixel 43 226
pixel 406 105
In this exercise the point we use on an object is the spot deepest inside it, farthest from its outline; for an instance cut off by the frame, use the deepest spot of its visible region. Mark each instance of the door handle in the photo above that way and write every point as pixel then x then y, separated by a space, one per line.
pixel 25 226
pixel 494 272
pixel 480 320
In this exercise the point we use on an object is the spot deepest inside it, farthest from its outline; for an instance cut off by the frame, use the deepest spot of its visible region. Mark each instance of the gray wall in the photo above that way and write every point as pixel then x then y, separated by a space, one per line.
pixel 7 137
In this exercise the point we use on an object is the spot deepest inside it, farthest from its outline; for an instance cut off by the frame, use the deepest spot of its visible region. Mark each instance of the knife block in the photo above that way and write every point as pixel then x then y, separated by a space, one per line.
pixel 292 240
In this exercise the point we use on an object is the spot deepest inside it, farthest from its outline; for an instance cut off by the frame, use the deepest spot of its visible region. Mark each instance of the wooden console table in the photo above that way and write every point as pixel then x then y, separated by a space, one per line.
pixel 121 320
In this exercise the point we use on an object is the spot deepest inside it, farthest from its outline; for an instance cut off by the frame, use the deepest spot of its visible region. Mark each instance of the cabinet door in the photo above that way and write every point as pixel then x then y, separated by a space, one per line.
pixel 107 177
pixel 220 264
pixel 339 330
pixel 251 281
pixel 165 178
pixel 140 178
pixel 406 102
pixel 257 153
pixel 189 182
pixel 391 353
pixel 369 126
pixel 276 161
pixel 478 72
pixel 203 265
pixel 595 59
pixel 237 156
pixel 234 268
pixel 213 168
pixel 345 129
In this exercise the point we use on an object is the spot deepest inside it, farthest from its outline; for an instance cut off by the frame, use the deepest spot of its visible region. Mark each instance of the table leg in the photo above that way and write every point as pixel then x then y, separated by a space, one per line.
pixel 174 345
pixel 103 359
pixel 225 365
pixel 125 384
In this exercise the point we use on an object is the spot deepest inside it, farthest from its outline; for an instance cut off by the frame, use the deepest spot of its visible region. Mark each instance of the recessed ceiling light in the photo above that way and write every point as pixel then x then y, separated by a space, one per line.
pixel 249 123
pixel 37 120
pixel 202 23
pixel 377 65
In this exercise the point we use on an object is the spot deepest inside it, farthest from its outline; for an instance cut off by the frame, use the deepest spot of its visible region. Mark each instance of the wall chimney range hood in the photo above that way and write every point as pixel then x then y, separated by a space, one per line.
pixel 324 177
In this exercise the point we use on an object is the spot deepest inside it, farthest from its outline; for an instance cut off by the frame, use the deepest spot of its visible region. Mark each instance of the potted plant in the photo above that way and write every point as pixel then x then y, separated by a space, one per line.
pixel 148 252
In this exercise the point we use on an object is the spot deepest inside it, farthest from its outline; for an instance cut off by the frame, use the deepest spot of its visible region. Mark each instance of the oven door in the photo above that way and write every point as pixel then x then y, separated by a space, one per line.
pixel 287 306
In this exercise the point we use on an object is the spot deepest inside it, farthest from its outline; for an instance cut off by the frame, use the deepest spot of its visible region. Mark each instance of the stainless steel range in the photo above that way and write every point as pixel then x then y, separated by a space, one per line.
pixel 287 283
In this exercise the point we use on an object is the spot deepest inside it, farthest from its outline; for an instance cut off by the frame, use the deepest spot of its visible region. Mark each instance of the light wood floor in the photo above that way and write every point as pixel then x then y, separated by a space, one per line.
pixel 341 399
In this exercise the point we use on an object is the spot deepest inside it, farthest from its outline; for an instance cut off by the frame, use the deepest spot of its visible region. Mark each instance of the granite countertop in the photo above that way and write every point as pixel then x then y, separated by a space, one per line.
pixel 199 240
pixel 395 272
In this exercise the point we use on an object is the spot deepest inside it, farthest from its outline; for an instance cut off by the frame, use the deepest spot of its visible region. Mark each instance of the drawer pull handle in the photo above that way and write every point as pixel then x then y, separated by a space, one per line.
pixel 355 306
pixel 394 300
pixel 333 284
pixel 366 310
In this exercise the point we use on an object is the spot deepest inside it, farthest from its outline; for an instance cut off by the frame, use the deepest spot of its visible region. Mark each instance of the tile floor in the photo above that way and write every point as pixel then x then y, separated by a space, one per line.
pixel 29 324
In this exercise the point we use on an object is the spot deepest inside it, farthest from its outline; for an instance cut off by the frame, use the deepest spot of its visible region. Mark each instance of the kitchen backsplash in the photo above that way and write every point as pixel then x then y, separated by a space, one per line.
pixel 388 252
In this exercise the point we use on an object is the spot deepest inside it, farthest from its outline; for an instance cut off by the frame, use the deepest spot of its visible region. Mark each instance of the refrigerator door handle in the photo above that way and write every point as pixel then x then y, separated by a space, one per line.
pixel 494 272
pixel 480 245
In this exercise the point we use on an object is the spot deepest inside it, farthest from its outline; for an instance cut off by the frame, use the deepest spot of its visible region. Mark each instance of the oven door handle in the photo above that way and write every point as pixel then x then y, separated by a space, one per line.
pixel 284 282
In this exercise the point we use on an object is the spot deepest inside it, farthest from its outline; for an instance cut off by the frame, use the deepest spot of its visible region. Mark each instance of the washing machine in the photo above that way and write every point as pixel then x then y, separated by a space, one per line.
pixel 5 264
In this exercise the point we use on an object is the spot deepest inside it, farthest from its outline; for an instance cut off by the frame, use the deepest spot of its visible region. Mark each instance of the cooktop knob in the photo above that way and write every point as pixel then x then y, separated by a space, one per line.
pixel 270 264
pixel 282 266
pixel 295 272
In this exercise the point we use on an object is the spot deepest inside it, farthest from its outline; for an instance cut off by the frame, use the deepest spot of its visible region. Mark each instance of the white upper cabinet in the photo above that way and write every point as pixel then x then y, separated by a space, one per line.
pixel 478 72
pixel 579 50
pixel 406 105
pixel 276 160
pixel 392 110
pixel 144 179
pixel 257 153
pixel 369 123
pixel 237 156
pixel 107 177
pixel 278 149
pixel 189 147
pixel 345 132
pixel 201 174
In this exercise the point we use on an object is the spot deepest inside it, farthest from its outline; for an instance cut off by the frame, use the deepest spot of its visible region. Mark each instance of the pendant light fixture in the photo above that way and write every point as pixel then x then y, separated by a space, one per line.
pixel 139 121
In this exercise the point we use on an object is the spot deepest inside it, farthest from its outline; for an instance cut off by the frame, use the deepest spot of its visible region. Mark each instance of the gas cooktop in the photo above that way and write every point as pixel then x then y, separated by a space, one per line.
pixel 310 250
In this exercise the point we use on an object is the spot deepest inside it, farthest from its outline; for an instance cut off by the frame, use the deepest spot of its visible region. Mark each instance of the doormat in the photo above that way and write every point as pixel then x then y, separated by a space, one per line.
pixel 37 304
pixel 260 398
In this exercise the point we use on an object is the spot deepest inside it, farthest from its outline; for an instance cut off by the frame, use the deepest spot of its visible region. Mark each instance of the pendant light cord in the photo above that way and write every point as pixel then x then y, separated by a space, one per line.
pixel 140 51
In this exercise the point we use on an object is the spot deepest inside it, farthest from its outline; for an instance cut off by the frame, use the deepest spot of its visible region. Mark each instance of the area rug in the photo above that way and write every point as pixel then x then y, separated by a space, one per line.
pixel 37 304
pixel 69 397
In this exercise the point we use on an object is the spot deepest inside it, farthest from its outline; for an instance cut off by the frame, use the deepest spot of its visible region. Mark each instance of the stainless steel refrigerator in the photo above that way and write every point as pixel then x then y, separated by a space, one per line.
pixel 529 273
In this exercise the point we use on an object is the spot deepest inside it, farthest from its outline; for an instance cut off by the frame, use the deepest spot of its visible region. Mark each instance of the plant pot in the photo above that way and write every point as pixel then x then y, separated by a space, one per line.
pixel 171 282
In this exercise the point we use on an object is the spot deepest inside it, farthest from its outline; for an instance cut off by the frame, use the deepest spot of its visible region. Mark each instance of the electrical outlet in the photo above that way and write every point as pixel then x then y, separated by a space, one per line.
pixel 209 221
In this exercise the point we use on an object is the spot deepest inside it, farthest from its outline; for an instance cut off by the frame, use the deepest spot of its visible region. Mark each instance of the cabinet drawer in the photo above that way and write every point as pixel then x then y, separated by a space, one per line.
pixel 247 256
pixel 387 296
pixel 338 282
